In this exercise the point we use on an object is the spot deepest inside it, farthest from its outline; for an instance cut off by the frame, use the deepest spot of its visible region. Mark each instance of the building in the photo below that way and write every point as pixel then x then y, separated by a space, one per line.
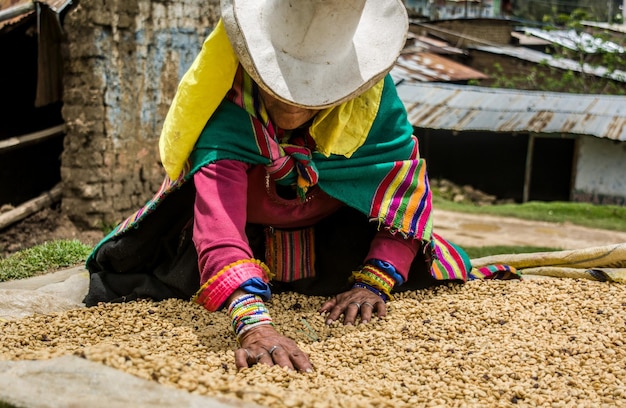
pixel 97 78
pixel 523 145
pixel 122 64
pixel 31 79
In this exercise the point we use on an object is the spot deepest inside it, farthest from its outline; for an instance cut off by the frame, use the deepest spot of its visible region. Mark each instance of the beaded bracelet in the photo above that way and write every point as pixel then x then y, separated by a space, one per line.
pixel 371 289
pixel 248 311
pixel 375 278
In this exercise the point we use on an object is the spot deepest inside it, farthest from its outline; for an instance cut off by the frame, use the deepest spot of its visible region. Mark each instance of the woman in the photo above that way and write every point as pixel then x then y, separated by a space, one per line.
pixel 291 166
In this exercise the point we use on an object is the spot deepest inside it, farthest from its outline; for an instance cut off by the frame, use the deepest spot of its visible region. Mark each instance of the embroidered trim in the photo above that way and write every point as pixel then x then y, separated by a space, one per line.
pixel 374 277
pixel 214 292
pixel 388 268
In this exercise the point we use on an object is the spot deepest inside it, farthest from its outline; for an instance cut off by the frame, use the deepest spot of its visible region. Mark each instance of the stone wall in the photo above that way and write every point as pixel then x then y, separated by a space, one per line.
pixel 124 61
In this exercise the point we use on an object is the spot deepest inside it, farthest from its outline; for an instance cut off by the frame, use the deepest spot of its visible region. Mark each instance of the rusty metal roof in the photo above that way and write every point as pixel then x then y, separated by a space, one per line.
pixel 471 108
pixel 430 67
pixel 433 45
pixel 14 11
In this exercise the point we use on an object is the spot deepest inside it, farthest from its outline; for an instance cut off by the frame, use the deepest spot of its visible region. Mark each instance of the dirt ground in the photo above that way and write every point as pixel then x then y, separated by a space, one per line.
pixel 44 226
pixel 463 229
pixel 472 230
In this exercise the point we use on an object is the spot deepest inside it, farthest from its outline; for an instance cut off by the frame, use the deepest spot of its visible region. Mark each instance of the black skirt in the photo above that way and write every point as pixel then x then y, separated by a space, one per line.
pixel 157 259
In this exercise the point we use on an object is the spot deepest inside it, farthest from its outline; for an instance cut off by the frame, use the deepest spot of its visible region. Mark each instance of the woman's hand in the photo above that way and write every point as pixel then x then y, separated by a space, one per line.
pixel 263 344
pixel 352 303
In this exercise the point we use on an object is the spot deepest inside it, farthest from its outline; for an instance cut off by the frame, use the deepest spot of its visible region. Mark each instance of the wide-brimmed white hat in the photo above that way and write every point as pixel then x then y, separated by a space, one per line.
pixel 316 53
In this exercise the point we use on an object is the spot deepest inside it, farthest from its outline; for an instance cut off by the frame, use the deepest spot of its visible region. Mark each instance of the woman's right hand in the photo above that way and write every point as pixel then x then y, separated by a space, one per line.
pixel 263 344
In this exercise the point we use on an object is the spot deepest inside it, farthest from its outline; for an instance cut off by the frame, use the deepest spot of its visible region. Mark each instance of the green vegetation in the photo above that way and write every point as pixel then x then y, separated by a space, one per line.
pixel 43 258
pixel 556 15
pixel 586 9
pixel 479 252
pixel 609 217
pixel 543 77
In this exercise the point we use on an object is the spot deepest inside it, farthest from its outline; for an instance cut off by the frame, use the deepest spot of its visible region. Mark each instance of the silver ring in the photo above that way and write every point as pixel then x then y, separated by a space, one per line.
pixel 273 349
pixel 248 355
pixel 358 305
pixel 369 304
pixel 259 356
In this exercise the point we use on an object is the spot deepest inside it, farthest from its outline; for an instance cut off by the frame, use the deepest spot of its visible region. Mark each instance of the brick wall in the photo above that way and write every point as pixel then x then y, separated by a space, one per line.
pixel 124 60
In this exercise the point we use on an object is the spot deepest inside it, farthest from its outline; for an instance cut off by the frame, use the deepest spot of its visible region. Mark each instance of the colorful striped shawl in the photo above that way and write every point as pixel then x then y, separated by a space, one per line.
pixel 385 178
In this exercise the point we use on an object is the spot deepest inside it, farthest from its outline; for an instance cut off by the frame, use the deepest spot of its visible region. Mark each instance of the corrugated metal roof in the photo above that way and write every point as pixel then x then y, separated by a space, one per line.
pixel 14 11
pixel 471 108
pixel 576 41
pixel 524 39
pixel 434 45
pixel 527 54
pixel 427 67
pixel 620 28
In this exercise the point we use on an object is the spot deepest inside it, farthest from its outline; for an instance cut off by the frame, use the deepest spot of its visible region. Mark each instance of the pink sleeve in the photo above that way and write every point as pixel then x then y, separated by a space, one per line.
pixel 394 249
pixel 220 216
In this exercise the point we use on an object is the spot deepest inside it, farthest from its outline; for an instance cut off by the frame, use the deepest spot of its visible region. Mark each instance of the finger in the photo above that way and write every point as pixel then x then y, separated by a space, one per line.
pixel 281 357
pixel 243 358
pixel 334 314
pixel 301 361
pixel 328 305
pixel 381 308
pixel 350 313
pixel 366 312
pixel 264 357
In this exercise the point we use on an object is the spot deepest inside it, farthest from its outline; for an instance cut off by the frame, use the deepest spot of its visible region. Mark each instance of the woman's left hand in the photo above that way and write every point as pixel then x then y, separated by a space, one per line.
pixel 356 301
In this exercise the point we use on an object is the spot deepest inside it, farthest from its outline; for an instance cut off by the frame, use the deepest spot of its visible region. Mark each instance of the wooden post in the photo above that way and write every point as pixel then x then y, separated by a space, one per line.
pixel 529 167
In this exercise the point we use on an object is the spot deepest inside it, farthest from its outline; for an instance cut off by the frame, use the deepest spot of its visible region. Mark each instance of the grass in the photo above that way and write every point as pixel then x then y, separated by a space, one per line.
pixel 479 252
pixel 609 217
pixel 43 258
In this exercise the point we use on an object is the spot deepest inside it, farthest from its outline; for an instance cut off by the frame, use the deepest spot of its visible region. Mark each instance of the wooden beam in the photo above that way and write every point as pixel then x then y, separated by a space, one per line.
pixel 30 207
pixel 31 138
pixel 15 11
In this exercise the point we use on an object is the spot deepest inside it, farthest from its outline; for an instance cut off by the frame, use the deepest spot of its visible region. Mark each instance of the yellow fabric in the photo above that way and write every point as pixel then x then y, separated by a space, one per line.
pixel 343 129
pixel 338 130
pixel 617 275
pixel 608 262
pixel 199 93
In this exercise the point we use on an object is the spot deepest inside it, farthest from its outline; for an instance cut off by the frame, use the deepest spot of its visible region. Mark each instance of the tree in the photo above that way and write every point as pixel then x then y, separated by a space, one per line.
pixel 589 52
pixel 596 10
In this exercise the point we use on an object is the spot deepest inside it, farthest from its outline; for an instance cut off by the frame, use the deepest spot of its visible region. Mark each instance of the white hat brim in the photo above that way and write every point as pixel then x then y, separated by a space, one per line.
pixel 377 42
